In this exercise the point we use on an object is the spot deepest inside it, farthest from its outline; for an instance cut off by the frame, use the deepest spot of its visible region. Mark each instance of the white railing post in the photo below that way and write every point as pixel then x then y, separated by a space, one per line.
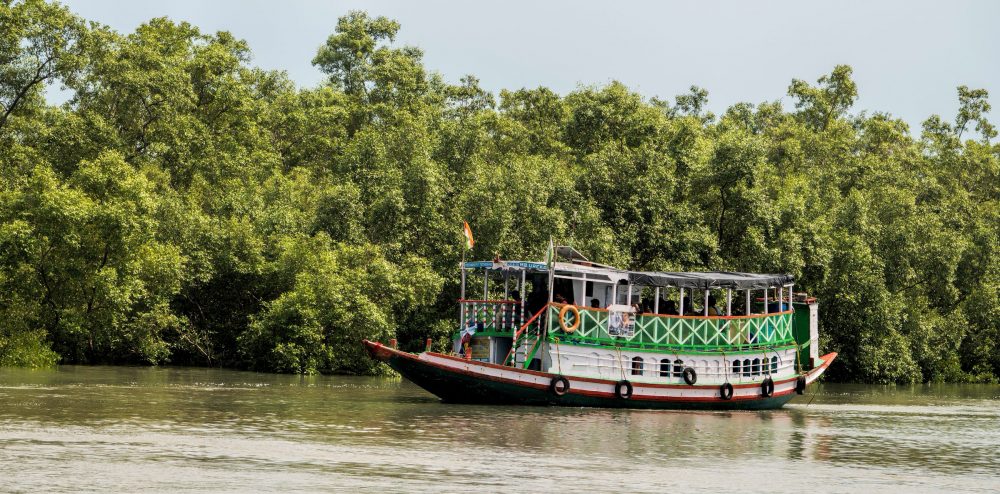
pixel 520 320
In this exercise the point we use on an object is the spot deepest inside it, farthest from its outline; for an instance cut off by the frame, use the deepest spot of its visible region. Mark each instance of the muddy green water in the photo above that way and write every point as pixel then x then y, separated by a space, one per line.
pixel 126 429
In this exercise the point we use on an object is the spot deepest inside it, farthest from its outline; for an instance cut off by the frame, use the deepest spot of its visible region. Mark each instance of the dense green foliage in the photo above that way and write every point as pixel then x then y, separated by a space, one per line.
pixel 185 207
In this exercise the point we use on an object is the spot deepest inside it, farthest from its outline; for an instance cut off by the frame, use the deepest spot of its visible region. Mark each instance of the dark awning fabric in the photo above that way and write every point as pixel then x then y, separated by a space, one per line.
pixel 710 279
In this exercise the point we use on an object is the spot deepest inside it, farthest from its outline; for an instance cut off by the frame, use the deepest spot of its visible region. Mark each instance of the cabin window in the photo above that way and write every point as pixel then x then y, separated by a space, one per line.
pixel 736 367
pixel 637 366
pixel 590 289
pixel 746 367
pixel 756 366
pixel 678 368
pixel 774 365
pixel 665 368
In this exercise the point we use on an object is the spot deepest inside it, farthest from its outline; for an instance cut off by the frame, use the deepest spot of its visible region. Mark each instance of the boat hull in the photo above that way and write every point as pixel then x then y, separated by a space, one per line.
pixel 456 380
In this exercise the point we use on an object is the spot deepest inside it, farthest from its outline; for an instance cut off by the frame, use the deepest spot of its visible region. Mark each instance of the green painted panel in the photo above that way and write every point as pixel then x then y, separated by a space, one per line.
pixel 657 333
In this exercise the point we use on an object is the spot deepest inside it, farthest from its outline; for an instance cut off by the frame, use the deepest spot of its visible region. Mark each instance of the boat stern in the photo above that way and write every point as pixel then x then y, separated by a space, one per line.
pixel 826 360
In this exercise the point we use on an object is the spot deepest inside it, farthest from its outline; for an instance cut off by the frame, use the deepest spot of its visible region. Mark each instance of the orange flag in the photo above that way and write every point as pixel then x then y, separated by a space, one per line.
pixel 469 242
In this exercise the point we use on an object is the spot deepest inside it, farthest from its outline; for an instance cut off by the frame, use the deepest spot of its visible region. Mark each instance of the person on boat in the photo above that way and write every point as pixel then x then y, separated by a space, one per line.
pixel 511 309
pixel 688 306
pixel 465 337
pixel 537 299
pixel 595 303
pixel 713 310
pixel 668 307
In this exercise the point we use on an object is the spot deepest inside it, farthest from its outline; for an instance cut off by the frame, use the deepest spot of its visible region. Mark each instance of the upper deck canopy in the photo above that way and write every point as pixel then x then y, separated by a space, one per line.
pixel 704 280
pixel 710 279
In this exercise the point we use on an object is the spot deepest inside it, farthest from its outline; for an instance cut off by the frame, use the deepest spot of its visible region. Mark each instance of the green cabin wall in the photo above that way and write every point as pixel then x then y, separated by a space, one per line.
pixel 800 329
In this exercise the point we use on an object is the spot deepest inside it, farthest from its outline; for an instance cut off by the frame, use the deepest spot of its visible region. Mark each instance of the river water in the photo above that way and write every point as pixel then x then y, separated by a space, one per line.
pixel 127 429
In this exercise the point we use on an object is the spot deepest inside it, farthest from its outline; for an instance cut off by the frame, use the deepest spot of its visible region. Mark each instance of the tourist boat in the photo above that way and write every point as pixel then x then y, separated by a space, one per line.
pixel 572 332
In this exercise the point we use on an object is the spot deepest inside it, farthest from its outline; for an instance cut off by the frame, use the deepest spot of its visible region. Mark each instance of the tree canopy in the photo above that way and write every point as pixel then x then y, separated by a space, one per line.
pixel 186 207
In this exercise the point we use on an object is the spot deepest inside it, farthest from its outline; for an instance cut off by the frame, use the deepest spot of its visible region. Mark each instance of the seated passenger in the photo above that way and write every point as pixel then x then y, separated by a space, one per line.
pixel 689 309
pixel 595 303
pixel 712 309
pixel 668 307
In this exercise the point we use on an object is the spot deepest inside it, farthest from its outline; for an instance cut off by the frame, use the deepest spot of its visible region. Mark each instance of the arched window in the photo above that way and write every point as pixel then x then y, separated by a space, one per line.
pixel 746 367
pixel 756 366
pixel 636 366
pixel 774 364
pixel 665 368
pixel 736 367
pixel 678 368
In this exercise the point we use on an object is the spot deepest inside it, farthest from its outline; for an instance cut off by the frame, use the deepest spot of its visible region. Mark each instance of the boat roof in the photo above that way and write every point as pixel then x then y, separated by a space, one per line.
pixel 710 279
pixel 704 280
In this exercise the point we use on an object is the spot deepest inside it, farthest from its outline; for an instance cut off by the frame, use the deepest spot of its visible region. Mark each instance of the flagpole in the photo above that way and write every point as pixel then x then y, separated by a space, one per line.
pixel 461 305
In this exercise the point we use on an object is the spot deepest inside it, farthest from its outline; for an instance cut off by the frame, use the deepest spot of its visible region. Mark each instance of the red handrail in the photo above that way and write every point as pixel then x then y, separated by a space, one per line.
pixel 523 328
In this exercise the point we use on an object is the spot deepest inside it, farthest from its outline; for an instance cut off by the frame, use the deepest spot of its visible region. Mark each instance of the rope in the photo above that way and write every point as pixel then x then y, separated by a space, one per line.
pixel 558 357
pixel 725 365
pixel 621 368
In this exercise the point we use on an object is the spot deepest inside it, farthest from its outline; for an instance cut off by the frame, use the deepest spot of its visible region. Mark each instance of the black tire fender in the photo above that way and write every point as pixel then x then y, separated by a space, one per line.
pixel 800 385
pixel 767 387
pixel 559 385
pixel 690 376
pixel 623 389
pixel 726 391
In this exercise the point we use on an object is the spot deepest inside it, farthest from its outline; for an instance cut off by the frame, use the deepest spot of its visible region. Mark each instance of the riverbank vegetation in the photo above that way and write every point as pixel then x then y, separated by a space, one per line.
pixel 185 207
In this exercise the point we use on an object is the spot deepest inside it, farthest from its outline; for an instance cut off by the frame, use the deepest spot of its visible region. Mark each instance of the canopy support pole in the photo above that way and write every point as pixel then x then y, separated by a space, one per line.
pixel 749 310
pixel 656 301
pixel 681 312
pixel 461 306
pixel 729 301
pixel 705 304
pixel 765 301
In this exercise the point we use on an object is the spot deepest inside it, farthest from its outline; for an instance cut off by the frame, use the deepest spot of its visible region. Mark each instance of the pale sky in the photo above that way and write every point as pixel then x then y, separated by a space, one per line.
pixel 908 56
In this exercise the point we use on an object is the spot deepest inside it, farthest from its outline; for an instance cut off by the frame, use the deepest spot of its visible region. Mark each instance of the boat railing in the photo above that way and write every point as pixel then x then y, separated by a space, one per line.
pixel 497 316
pixel 660 331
